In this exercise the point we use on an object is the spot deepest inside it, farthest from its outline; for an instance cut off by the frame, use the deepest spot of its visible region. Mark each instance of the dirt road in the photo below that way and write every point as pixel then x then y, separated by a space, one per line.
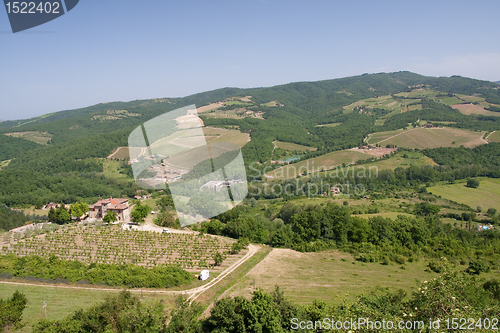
pixel 193 293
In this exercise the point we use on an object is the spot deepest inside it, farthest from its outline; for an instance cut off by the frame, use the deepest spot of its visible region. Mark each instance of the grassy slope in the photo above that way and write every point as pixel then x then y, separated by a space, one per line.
pixel 325 276
pixel 487 195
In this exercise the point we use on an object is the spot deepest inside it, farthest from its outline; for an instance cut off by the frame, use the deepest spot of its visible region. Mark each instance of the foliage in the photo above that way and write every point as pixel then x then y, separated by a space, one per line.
pixel 13 147
pixel 130 275
pixel 473 183
pixel 121 313
pixel 60 215
pixel 10 219
pixel 11 310
pixel 140 212
pixel 110 216
pixel 184 318
pixel 78 209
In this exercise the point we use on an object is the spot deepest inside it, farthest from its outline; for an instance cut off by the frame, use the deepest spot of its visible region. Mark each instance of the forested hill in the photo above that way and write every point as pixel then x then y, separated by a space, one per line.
pixel 64 164
pixel 303 99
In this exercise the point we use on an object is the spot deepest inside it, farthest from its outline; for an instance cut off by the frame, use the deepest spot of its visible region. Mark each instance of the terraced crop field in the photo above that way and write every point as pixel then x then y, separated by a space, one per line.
pixel 90 244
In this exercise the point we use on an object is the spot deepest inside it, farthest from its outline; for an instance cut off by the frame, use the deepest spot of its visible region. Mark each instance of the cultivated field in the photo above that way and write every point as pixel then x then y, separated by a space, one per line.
pixel 449 100
pixel 292 146
pixel 470 99
pixel 469 109
pixel 494 137
pixel 316 164
pixel 402 159
pixel 39 137
pixel 380 136
pixel 487 194
pixel 428 138
pixel 113 245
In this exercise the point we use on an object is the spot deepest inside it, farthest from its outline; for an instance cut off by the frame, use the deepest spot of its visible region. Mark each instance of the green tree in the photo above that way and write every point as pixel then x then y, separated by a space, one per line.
pixel 185 317
pixel 63 215
pixel 491 212
pixel 218 258
pixel 472 183
pixel 11 310
pixel 110 216
pixel 52 215
pixel 140 212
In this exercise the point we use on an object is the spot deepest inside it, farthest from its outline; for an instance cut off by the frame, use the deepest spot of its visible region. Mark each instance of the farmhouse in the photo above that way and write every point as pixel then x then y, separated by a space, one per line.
pixel 119 206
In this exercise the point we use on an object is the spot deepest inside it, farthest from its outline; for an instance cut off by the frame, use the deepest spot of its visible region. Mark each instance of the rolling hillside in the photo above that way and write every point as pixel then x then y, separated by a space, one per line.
pixel 325 117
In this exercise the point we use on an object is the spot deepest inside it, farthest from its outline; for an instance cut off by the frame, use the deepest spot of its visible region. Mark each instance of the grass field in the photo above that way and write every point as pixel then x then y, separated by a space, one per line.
pixel 428 138
pixel 331 275
pixel 495 137
pixel 402 159
pixel 487 194
pixel 39 137
pixel 62 301
pixel 292 146
pixel 324 162
pixel 112 170
pixel 328 276
pixel 470 99
pixel 449 100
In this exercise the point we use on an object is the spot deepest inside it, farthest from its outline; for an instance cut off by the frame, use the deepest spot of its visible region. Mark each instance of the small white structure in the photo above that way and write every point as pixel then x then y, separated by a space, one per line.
pixel 204 275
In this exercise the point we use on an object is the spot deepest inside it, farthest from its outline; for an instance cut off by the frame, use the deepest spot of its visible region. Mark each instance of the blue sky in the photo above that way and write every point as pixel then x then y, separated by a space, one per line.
pixel 122 50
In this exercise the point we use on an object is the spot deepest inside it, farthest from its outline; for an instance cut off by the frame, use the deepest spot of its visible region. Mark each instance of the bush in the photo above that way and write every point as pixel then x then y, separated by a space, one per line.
pixel 436 266
pixel 478 266
pixel 472 183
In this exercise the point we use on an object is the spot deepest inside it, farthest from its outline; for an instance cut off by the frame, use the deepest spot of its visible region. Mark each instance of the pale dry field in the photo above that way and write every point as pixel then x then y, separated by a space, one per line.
pixel 469 109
